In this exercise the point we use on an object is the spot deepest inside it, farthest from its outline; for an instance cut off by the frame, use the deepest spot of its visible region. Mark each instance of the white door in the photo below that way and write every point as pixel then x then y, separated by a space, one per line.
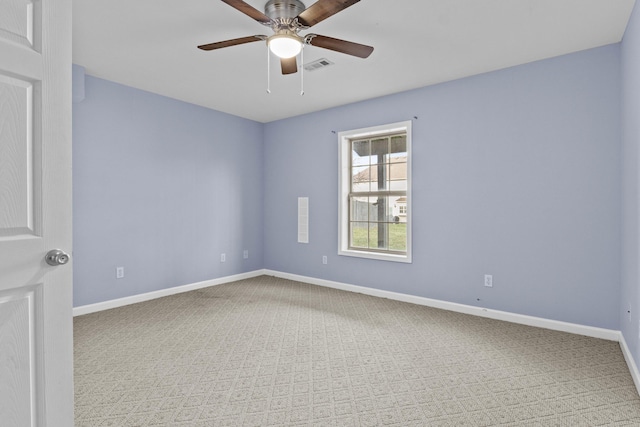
pixel 36 350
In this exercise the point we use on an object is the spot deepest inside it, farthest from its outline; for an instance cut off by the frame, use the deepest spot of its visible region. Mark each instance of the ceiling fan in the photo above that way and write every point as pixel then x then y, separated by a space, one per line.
pixel 287 18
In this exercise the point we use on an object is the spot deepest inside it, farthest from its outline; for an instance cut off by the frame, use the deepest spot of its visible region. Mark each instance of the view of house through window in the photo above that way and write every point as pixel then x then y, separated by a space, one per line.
pixel 379 182
pixel 376 216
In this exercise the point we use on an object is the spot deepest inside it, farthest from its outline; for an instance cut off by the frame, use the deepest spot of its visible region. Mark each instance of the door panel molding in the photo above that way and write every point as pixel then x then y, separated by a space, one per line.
pixel 21 365
pixel 17 21
pixel 19 159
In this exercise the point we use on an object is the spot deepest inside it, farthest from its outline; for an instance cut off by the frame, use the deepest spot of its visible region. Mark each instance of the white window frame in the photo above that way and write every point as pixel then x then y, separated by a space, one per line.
pixel 344 182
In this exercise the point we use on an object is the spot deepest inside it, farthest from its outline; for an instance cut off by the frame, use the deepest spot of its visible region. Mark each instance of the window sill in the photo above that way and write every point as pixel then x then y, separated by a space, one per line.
pixel 376 256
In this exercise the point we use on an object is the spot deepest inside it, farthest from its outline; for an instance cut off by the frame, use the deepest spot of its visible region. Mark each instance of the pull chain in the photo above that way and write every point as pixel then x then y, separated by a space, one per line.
pixel 268 70
pixel 302 71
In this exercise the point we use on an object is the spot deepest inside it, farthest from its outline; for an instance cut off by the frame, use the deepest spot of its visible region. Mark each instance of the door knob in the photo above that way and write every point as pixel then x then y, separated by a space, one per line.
pixel 56 257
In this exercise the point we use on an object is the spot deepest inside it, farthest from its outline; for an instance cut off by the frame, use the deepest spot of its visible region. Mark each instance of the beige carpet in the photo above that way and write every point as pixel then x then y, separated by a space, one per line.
pixel 272 352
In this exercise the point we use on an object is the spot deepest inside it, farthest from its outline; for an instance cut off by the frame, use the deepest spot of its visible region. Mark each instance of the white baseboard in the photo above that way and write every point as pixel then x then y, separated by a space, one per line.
pixel 590 331
pixel 120 302
pixel 628 357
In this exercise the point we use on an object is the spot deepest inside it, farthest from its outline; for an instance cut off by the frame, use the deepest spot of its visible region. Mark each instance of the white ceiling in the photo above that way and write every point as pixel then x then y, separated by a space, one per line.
pixel 151 45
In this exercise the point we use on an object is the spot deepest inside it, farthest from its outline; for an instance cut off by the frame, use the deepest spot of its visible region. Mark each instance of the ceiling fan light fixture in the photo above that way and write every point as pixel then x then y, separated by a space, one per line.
pixel 285 45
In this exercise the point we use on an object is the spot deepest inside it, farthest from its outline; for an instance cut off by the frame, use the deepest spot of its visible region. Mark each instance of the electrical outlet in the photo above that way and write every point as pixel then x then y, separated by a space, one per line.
pixel 245 254
pixel 488 280
pixel 324 259
pixel 119 272
pixel 223 257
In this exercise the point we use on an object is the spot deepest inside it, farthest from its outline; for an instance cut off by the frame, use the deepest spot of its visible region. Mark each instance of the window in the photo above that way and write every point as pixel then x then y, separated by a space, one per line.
pixel 375 187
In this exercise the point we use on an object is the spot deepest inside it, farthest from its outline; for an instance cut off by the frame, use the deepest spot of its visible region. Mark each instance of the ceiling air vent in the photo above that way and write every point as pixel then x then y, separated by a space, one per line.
pixel 317 64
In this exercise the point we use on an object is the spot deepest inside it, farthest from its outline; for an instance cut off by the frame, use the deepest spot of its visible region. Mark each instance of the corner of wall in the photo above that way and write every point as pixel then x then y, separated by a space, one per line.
pixel 78 86
pixel 630 182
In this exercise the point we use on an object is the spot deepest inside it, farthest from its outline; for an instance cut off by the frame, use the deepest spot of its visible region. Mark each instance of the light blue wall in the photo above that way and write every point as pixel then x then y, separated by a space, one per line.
pixel 630 176
pixel 516 173
pixel 162 188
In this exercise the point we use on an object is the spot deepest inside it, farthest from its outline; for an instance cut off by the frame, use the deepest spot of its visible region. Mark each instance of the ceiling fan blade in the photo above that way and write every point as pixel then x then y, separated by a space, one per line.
pixel 249 10
pixel 323 9
pixel 342 46
pixel 232 42
pixel 289 65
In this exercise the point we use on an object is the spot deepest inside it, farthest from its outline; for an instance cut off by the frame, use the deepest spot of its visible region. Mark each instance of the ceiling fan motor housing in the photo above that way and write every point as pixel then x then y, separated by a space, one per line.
pixel 283 10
